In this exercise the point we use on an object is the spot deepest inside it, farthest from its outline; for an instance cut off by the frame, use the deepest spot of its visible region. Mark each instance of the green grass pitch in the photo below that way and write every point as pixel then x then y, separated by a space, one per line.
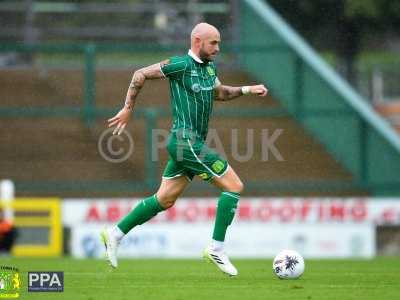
pixel 195 279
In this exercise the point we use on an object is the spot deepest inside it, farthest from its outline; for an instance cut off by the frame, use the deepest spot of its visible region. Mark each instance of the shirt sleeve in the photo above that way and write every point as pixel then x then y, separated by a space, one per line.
pixel 174 68
pixel 217 82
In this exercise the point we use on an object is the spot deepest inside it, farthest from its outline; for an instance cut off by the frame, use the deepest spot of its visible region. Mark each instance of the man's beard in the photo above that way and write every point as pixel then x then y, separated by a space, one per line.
pixel 204 56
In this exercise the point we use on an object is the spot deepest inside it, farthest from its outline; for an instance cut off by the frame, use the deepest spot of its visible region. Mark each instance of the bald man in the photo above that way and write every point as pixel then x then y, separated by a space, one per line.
pixel 194 86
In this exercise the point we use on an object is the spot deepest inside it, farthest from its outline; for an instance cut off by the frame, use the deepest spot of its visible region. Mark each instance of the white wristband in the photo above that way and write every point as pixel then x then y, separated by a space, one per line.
pixel 245 90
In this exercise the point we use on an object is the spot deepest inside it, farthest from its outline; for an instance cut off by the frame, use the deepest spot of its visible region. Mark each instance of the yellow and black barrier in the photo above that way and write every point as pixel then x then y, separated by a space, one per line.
pixel 33 213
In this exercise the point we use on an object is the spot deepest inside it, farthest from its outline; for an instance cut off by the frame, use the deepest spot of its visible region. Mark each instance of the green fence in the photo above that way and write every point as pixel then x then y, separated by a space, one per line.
pixel 311 99
pixel 86 56
pixel 319 99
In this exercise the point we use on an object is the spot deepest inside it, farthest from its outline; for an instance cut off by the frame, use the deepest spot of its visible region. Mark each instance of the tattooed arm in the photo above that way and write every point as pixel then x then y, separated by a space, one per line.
pixel 226 92
pixel 137 82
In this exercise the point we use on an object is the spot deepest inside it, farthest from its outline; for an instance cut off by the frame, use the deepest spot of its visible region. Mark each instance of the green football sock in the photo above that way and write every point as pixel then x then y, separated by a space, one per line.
pixel 227 205
pixel 143 212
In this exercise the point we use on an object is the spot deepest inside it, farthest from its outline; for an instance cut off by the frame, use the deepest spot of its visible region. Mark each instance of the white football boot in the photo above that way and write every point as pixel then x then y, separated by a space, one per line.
pixel 111 244
pixel 221 260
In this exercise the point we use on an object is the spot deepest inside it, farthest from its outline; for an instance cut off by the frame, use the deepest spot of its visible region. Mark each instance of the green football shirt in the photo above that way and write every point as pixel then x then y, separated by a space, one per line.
pixel 191 83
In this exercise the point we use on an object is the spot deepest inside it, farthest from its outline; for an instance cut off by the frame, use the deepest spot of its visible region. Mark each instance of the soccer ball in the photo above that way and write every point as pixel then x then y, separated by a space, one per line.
pixel 288 264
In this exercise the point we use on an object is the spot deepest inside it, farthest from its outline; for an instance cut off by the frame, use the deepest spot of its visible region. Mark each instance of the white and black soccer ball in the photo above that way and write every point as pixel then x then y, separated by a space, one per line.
pixel 288 264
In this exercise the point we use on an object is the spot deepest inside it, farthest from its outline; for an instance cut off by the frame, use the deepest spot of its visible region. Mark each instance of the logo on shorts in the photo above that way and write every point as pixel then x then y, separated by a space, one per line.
pixel 10 282
pixel 203 176
pixel 196 88
pixel 218 166
pixel 210 71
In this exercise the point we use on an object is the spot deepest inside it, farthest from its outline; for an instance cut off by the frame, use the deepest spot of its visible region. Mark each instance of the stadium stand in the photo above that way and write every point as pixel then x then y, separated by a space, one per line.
pixel 64 149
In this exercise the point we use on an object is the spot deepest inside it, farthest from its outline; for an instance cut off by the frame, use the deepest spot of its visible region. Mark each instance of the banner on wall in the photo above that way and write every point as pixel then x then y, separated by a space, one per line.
pixel 260 210
pixel 316 227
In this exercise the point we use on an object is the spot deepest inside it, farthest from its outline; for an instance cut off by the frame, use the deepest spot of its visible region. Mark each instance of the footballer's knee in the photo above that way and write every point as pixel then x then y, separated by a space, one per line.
pixel 170 190
pixel 166 201
pixel 234 185
pixel 168 196
pixel 229 182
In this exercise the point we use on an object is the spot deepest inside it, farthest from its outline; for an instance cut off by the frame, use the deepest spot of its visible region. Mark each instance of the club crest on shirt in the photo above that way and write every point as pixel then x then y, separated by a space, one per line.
pixel 193 73
pixel 210 71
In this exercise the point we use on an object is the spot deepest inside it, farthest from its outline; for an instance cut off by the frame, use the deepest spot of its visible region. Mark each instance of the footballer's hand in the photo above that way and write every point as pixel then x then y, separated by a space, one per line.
pixel 120 119
pixel 259 90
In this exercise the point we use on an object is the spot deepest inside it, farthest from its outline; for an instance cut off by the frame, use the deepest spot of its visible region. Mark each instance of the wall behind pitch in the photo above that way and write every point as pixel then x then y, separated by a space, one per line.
pixel 316 227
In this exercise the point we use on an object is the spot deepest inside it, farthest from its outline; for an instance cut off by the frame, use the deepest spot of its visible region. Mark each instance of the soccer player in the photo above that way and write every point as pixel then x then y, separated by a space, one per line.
pixel 194 86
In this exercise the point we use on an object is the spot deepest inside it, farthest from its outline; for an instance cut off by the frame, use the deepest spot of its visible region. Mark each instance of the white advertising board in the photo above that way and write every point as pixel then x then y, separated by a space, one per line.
pixel 318 228
pixel 245 240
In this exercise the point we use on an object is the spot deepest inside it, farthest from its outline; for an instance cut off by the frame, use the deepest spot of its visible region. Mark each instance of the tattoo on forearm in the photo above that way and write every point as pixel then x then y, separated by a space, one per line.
pixel 138 80
pixel 226 93
pixel 137 83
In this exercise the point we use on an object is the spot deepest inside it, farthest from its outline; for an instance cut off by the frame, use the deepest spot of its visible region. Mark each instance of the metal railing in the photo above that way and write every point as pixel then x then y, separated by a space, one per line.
pixel 346 124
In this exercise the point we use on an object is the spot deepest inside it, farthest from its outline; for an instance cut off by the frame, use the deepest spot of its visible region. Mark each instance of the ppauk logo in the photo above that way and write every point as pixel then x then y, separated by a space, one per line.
pixel 45 281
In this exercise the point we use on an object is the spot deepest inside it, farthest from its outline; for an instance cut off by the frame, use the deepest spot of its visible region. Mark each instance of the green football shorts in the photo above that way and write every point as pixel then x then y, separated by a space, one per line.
pixel 190 157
